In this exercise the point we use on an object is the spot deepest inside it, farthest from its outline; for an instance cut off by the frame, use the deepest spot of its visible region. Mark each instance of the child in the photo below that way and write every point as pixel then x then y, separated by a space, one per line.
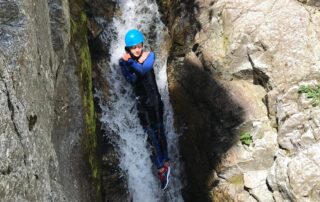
pixel 137 67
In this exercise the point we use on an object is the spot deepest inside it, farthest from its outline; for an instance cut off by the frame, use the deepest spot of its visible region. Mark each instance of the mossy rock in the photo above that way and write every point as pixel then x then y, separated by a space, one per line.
pixel 79 41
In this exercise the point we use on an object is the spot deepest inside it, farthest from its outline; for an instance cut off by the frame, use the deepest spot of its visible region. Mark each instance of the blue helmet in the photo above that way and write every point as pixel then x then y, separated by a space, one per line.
pixel 133 37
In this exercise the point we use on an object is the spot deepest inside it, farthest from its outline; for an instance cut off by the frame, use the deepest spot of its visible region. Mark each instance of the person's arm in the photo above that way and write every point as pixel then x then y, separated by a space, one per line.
pixel 129 75
pixel 143 57
pixel 145 67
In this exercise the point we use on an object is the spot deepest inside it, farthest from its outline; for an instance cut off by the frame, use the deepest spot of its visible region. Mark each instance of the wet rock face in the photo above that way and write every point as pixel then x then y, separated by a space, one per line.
pixel 33 56
pixel 259 53
pixel 60 24
pixel 180 18
pixel 9 11
pixel 27 77
pixel 100 14
pixel 114 180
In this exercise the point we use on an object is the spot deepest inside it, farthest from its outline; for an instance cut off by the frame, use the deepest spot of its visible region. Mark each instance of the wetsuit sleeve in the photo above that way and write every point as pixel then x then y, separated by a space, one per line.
pixel 146 66
pixel 129 75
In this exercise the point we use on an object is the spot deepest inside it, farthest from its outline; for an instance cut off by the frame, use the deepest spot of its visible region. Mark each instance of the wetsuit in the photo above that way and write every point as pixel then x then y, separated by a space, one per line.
pixel 149 103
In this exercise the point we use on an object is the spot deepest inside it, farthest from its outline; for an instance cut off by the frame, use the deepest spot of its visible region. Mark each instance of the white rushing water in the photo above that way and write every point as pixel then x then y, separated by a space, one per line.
pixel 119 116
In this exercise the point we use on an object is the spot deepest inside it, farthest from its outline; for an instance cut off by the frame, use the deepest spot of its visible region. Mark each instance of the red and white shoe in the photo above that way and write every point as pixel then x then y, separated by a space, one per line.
pixel 164 176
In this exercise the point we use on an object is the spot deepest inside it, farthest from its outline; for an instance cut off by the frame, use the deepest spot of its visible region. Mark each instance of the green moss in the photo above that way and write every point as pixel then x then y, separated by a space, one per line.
pixel 79 42
pixel 226 60
pixel 226 43
pixel 236 180
pixel 312 93
pixel 83 17
pixel 73 27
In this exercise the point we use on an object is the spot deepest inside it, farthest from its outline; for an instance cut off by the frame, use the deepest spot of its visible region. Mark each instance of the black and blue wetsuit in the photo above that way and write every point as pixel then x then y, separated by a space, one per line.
pixel 149 103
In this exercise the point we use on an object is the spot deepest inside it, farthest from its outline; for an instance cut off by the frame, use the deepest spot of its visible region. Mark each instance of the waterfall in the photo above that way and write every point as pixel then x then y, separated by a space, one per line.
pixel 119 115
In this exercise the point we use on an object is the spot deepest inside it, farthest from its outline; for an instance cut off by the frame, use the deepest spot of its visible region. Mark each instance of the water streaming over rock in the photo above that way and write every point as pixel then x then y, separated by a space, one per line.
pixel 119 114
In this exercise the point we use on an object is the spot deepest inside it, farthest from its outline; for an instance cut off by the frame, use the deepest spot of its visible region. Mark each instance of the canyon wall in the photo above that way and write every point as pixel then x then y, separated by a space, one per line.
pixel 236 70
pixel 47 140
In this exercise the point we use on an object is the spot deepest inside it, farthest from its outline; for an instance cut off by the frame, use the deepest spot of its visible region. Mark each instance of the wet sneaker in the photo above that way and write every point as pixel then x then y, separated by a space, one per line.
pixel 164 176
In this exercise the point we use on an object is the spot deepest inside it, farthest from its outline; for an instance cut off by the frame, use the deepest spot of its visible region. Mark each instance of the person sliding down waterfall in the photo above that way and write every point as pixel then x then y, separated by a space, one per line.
pixel 137 68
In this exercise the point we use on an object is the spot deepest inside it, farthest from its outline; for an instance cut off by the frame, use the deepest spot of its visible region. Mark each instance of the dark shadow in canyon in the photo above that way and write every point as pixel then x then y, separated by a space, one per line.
pixel 206 116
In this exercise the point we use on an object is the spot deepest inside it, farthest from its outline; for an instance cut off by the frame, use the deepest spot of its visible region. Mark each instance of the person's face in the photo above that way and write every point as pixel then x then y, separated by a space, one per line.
pixel 136 50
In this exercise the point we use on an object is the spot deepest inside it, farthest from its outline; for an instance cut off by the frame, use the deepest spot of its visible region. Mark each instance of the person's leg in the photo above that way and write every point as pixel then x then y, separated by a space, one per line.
pixel 159 129
pixel 155 113
pixel 146 122
pixel 158 156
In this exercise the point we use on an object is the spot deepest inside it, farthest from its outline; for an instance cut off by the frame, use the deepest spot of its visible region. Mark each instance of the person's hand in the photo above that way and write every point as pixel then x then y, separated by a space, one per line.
pixel 126 56
pixel 143 57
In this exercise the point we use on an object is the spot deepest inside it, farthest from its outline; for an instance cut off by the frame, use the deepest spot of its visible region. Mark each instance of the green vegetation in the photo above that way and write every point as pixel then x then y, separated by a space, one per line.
pixel 73 27
pixel 312 92
pixel 236 180
pixel 79 43
pixel 246 138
